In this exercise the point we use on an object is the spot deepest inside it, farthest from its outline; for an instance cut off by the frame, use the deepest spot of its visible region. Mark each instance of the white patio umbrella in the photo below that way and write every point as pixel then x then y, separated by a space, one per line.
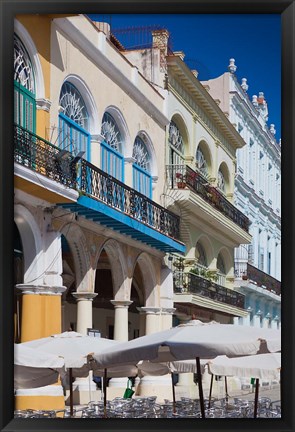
pixel 261 366
pixel 74 348
pixel 193 340
pixel 35 369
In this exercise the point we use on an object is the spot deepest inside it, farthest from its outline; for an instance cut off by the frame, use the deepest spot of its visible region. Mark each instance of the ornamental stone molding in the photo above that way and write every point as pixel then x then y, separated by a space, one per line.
pixel 41 289
pixel 121 303
pixel 43 104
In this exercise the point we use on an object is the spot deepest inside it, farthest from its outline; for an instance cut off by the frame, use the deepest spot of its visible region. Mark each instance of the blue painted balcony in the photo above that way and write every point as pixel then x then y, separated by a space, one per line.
pixel 102 198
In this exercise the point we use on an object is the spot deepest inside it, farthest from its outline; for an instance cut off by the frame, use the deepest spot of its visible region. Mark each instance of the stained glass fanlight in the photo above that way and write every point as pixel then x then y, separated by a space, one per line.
pixel 73 105
pixel 111 133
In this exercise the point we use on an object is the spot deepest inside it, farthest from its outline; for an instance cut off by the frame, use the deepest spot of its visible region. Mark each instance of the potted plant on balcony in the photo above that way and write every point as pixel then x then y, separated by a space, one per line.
pixel 180 180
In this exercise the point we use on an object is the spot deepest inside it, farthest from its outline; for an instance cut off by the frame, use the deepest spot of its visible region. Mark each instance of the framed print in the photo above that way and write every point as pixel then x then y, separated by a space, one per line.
pixel 147 158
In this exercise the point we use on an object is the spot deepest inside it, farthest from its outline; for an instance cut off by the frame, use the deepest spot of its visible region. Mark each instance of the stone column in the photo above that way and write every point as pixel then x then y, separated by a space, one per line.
pixel 117 385
pixel 84 388
pixel 186 385
pixel 36 299
pixel 152 319
pixel 84 310
pixel 167 315
pixel 41 317
pixel 121 319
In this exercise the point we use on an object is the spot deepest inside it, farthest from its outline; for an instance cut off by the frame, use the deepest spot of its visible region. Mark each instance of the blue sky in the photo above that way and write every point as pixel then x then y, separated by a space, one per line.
pixel 210 40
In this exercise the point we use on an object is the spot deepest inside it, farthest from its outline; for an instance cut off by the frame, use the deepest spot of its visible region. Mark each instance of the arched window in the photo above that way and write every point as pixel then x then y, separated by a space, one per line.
pixel 176 144
pixel 73 121
pixel 111 147
pixel 221 182
pixel 142 180
pixel 220 264
pixel 201 163
pixel 24 88
pixel 201 255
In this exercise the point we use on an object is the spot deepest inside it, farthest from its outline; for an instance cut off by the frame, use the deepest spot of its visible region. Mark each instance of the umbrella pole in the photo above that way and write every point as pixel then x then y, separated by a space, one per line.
pixel 225 386
pixel 256 397
pixel 105 392
pixel 210 392
pixel 173 394
pixel 200 385
pixel 71 391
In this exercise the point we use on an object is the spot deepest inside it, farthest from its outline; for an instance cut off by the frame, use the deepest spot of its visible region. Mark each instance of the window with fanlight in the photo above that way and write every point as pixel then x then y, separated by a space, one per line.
pixel 221 182
pixel 176 144
pixel 142 180
pixel 73 121
pixel 24 87
pixel 111 147
pixel 201 162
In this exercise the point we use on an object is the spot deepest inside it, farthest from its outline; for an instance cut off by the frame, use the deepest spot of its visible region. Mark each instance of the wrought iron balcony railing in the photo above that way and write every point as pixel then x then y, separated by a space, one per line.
pixel 103 187
pixel 252 274
pixel 180 176
pixel 193 284
pixel 44 158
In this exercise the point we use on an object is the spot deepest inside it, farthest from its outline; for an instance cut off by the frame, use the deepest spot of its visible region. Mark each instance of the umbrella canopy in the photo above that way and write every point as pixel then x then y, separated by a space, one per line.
pixel 191 340
pixel 262 366
pixel 32 370
pixel 73 347
pixel 142 368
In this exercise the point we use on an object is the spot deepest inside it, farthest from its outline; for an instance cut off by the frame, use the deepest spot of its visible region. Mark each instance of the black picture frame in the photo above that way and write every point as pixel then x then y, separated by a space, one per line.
pixel 8 9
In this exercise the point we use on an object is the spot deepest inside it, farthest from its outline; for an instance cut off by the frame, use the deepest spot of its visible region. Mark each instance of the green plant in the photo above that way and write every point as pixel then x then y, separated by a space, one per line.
pixel 207 274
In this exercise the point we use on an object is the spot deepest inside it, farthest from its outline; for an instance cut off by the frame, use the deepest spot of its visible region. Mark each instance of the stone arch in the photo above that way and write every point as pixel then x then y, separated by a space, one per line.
pixel 32 245
pixel 30 46
pixel 82 262
pixel 148 271
pixel 86 94
pixel 227 258
pixel 207 246
pixel 121 281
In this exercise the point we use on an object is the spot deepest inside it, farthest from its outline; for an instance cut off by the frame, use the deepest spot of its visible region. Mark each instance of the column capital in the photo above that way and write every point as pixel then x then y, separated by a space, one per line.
pixel 40 289
pixel 168 311
pixel 97 138
pixel 121 303
pixel 82 296
pixel 151 310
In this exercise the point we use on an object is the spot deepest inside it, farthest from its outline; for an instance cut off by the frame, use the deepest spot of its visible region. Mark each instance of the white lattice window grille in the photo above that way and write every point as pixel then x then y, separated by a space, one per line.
pixel 221 182
pixel 201 255
pixel 201 163
pixel 111 132
pixel 141 154
pixel 73 105
pixel 175 138
pixel 23 70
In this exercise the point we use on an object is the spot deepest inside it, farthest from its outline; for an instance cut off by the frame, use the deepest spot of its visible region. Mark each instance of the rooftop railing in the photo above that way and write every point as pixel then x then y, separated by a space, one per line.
pixel 181 176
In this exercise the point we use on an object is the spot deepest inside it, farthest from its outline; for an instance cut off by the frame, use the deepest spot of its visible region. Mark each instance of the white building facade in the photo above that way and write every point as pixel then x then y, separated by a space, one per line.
pixel 258 195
